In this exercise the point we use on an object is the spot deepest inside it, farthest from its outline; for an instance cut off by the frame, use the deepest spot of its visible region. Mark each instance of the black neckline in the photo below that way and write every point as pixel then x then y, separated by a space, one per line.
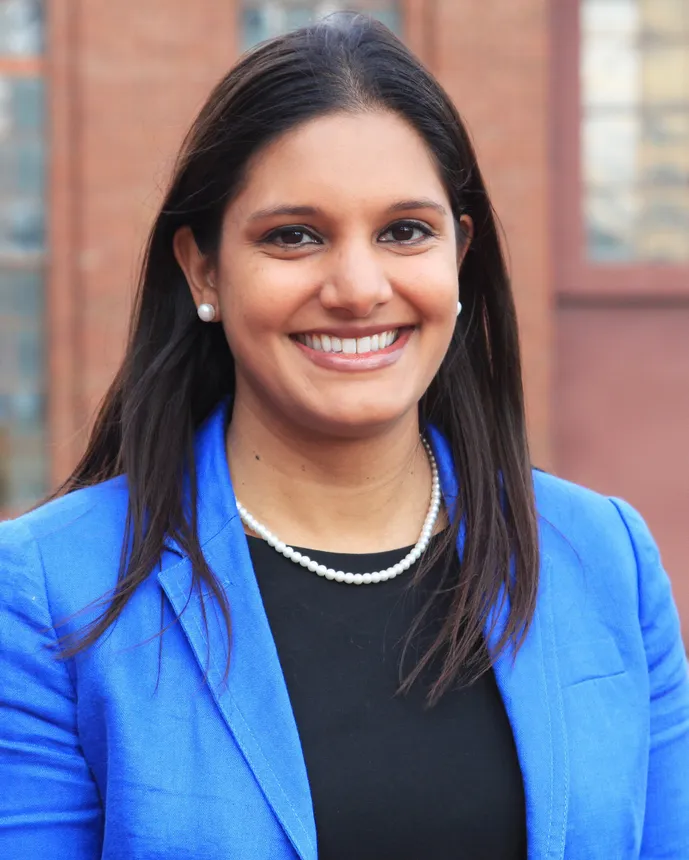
pixel 344 560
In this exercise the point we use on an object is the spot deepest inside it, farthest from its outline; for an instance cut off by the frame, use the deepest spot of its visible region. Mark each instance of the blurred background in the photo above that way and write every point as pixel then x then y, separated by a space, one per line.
pixel 580 114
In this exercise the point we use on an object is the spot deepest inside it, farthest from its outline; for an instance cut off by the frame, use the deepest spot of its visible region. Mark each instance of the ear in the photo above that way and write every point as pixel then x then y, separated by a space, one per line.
pixel 465 234
pixel 197 269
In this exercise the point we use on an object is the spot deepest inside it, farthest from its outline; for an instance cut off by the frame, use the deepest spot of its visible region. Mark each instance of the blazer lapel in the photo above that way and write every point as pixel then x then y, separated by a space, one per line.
pixel 531 692
pixel 253 701
pixel 532 695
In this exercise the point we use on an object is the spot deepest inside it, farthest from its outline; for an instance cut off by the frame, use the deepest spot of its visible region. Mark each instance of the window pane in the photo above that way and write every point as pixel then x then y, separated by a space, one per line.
pixel 263 19
pixel 22 444
pixel 635 129
pixel 22 248
pixel 21 142
pixel 21 27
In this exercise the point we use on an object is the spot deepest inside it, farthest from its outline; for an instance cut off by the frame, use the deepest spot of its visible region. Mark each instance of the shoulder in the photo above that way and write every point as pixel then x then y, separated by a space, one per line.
pixel 73 542
pixel 594 525
pixel 92 506
pixel 600 550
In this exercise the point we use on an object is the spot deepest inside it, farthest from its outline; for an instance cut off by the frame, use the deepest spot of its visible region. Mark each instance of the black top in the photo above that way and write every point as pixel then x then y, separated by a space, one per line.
pixel 389 777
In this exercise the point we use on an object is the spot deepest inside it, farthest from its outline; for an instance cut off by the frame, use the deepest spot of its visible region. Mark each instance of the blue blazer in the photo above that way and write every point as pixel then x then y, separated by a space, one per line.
pixel 102 757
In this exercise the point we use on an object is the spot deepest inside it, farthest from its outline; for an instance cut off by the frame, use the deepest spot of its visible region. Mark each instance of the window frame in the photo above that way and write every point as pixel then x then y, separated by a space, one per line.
pixel 575 275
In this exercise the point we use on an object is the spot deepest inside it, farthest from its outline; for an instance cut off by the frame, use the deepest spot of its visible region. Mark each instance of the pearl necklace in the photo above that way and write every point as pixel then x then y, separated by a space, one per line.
pixel 357 578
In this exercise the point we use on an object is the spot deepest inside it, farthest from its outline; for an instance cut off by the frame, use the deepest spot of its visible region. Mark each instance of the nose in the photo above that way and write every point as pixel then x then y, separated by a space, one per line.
pixel 355 280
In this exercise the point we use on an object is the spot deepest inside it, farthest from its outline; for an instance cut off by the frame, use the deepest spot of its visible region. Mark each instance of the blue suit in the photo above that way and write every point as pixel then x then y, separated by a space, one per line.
pixel 105 756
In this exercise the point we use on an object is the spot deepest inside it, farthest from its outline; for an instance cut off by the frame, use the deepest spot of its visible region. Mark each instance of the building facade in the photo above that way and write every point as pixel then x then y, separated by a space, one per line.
pixel 579 110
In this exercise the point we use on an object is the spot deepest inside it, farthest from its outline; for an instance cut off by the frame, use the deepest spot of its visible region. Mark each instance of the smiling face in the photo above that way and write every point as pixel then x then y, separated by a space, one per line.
pixel 337 276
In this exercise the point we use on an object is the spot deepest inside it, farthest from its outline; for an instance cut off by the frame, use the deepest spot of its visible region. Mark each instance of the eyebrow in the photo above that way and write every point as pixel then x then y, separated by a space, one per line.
pixel 314 211
pixel 421 203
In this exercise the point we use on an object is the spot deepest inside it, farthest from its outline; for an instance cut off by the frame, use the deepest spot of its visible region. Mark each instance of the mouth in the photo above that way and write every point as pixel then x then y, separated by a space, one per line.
pixel 346 346
pixel 371 352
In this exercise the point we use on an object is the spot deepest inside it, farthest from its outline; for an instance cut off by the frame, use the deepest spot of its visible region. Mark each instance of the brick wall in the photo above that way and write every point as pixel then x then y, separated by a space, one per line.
pixel 127 79
pixel 492 57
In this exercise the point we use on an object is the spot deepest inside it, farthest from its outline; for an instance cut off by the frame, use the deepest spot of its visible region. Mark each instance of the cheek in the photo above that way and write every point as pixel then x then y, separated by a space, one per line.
pixel 435 290
pixel 260 298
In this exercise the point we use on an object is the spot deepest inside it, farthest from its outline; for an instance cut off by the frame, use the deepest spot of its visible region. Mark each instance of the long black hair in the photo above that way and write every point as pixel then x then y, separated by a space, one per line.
pixel 176 370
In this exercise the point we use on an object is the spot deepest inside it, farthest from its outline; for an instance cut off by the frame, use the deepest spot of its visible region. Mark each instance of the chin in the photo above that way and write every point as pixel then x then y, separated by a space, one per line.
pixel 350 421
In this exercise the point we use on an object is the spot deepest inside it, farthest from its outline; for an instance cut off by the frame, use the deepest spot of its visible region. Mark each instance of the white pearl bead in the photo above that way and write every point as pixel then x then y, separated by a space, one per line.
pixel 411 558
pixel 206 312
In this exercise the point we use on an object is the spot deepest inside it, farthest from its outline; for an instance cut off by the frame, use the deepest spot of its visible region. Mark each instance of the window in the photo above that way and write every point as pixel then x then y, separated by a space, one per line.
pixel 22 463
pixel 263 19
pixel 622 92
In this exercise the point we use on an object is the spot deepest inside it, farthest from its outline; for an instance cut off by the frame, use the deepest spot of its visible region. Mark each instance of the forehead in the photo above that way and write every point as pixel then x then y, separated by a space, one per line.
pixel 374 156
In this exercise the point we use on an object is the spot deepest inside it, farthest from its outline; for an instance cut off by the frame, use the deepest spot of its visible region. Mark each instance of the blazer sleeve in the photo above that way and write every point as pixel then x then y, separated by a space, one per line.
pixel 49 802
pixel 666 823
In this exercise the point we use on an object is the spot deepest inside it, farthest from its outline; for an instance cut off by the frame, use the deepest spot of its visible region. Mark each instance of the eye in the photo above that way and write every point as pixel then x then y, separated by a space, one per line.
pixel 407 233
pixel 292 236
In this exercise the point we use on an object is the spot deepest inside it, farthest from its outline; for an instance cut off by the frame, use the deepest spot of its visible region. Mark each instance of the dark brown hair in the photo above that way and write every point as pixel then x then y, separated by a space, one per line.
pixel 176 370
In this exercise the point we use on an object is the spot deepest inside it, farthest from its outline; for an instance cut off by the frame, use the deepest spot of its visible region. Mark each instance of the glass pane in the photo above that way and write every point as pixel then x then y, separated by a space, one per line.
pixel 22 247
pixel 21 294
pixel 22 460
pixel 21 170
pixel 21 27
pixel 26 104
pixel 635 129
pixel 22 229
pixel 263 19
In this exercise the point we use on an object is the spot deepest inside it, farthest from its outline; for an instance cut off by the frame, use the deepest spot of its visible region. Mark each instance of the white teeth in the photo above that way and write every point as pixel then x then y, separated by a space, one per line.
pixel 349 345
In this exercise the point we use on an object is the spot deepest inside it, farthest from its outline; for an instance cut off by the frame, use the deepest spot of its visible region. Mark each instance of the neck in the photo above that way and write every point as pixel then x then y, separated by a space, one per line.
pixel 334 494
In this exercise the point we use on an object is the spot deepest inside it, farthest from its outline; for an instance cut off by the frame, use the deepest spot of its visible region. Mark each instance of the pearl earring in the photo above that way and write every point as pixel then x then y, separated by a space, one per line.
pixel 459 308
pixel 206 312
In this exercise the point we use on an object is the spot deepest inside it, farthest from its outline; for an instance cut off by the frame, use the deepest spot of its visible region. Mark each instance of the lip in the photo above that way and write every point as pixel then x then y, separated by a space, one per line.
pixel 357 363
pixel 343 331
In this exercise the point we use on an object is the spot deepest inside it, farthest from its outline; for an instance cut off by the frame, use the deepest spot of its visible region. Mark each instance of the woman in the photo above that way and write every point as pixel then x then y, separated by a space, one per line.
pixel 308 595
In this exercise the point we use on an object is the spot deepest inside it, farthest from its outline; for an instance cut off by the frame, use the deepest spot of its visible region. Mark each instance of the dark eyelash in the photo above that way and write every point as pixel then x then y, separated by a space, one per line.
pixel 406 222
pixel 273 235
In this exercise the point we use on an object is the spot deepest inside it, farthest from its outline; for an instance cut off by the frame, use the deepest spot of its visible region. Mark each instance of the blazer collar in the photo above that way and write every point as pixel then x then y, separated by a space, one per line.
pixel 532 695
pixel 254 701
pixel 255 704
